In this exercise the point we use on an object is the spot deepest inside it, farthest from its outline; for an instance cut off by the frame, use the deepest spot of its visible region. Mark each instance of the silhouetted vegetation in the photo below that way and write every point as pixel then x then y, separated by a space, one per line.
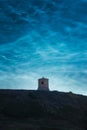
pixel 40 110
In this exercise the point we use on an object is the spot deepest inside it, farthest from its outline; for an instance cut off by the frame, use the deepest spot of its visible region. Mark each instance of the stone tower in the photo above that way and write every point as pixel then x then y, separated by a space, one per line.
pixel 43 84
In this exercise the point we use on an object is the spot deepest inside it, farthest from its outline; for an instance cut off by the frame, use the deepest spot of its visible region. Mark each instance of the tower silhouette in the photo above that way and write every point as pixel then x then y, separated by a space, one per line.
pixel 43 84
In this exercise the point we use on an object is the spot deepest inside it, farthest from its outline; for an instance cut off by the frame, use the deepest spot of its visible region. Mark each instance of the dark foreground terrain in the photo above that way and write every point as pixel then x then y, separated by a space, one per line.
pixel 39 110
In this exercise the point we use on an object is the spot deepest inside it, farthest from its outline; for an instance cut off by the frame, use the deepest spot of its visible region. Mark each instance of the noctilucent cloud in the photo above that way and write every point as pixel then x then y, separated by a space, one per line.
pixel 43 38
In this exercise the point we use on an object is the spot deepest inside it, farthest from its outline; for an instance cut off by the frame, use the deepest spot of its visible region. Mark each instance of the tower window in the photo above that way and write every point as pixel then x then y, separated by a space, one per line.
pixel 42 82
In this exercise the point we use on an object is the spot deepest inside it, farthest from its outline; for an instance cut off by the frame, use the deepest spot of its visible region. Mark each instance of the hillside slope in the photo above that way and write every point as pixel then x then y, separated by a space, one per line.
pixel 39 110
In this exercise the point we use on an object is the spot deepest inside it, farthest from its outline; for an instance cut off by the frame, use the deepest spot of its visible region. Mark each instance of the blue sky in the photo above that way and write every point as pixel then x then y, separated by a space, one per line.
pixel 43 38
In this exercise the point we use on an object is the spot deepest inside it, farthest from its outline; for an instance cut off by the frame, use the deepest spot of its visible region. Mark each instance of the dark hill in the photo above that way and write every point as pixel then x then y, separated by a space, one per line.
pixel 40 110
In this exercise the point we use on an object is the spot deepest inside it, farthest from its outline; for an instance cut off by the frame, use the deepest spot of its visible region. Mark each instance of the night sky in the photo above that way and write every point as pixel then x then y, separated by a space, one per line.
pixel 43 38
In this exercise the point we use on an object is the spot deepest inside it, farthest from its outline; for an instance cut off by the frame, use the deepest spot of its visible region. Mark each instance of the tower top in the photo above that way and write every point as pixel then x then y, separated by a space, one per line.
pixel 42 78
